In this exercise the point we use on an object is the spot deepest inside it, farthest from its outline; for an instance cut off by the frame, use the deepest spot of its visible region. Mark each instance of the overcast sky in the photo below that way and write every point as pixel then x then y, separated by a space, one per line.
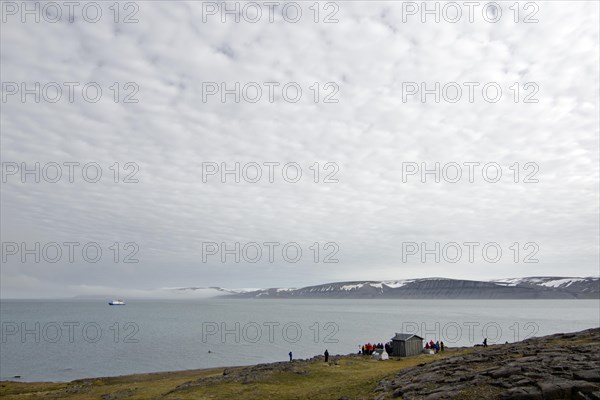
pixel 369 58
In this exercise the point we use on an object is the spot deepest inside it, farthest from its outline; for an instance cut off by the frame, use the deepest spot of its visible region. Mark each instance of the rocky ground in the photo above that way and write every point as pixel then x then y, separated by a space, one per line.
pixel 563 366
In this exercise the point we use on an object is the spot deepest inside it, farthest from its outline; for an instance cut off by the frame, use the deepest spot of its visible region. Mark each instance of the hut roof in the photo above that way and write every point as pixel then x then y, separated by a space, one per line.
pixel 405 336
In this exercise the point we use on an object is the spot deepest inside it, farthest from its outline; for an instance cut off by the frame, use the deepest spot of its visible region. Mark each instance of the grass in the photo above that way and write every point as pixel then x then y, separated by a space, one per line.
pixel 352 377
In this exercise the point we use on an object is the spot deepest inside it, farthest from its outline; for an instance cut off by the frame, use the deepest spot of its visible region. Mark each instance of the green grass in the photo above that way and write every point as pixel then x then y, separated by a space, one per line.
pixel 353 377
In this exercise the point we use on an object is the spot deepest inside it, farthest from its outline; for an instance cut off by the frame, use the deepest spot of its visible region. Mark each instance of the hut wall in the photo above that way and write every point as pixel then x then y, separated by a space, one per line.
pixel 414 347
pixel 399 348
pixel 408 348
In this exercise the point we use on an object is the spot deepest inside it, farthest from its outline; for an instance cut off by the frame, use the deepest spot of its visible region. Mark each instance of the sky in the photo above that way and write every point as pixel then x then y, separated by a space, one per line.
pixel 332 158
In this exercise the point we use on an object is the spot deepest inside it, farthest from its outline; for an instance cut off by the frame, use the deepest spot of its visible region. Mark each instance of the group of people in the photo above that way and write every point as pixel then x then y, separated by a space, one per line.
pixel 437 346
pixel 369 348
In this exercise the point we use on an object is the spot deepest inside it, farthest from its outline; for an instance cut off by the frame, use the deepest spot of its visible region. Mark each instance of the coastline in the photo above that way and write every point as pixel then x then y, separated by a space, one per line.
pixel 562 365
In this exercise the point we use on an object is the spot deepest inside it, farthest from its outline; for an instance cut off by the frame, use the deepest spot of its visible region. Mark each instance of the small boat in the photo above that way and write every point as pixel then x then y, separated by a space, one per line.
pixel 116 303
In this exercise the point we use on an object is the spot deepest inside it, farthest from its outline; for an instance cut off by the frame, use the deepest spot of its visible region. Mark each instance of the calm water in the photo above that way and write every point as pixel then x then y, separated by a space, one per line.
pixel 65 340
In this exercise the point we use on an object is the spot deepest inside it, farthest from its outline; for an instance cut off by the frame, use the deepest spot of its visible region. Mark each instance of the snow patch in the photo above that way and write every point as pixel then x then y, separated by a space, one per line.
pixel 562 282
pixel 352 287
pixel 397 284
pixel 509 281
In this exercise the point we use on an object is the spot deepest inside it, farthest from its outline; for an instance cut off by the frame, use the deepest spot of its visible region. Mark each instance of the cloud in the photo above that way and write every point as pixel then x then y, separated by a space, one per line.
pixel 170 132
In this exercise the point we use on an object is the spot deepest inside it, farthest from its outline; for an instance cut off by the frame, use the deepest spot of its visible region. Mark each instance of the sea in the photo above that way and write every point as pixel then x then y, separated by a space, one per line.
pixel 63 340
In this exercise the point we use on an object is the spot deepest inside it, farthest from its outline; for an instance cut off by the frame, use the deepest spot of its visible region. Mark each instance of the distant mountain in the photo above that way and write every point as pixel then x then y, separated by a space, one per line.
pixel 441 288
pixel 192 292
pixel 211 291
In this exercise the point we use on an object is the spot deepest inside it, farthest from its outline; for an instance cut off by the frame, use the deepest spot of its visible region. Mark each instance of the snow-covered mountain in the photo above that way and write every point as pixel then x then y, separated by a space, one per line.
pixel 547 281
pixel 443 288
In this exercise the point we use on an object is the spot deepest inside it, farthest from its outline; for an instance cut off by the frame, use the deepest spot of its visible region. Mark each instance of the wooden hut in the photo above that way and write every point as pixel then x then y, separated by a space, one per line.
pixel 406 345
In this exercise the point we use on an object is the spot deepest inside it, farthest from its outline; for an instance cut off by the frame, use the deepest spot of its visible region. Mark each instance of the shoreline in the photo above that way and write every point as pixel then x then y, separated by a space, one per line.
pixel 450 349
pixel 562 363
pixel 174 382
pixel 204 371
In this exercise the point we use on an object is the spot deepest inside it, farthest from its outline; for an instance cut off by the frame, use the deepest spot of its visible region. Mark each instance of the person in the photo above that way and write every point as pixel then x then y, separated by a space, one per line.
pixel 485 342
pixel 442 346
pixel 326 355
pixel 290 354
pixel 427 345
pixel 431 344
pixel 436 346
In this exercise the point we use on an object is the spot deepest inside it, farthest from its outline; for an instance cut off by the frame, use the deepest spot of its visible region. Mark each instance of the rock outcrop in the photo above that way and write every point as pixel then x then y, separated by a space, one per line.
pixel 562 366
